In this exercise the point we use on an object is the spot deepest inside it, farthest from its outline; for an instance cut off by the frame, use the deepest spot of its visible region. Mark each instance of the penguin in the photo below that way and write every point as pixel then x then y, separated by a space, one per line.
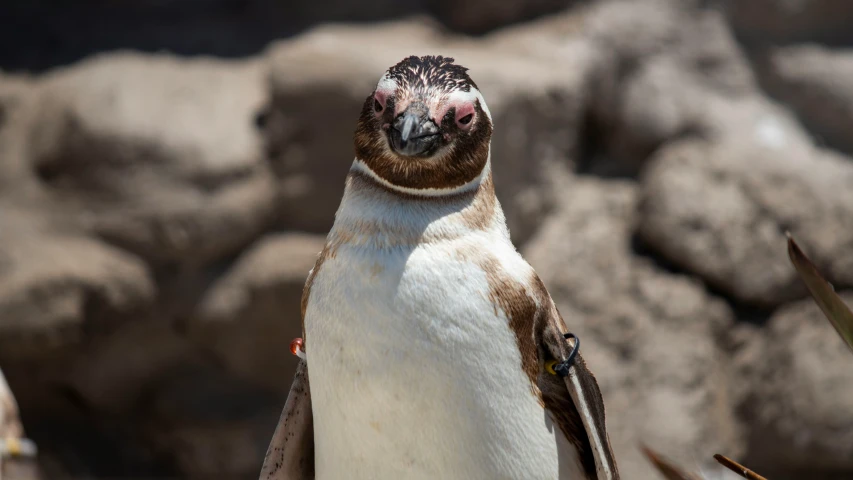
pixel 434 349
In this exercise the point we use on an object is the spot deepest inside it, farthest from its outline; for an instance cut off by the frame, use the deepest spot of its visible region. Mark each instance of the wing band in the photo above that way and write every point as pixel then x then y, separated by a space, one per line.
pixel 562 368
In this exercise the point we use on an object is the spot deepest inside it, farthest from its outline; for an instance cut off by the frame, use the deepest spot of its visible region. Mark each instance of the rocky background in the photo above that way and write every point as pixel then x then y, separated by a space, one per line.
pixel 159 213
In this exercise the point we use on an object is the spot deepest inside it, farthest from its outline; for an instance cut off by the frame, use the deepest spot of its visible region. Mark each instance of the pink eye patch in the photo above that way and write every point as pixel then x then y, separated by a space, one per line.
pixel 380 99
pixel 465 113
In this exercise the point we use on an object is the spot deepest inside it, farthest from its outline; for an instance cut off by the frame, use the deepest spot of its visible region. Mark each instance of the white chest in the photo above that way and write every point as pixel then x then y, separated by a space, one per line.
pixel 416 374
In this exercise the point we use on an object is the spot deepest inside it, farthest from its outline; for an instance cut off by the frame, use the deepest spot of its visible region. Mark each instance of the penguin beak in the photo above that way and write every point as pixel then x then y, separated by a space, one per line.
pixel 413 134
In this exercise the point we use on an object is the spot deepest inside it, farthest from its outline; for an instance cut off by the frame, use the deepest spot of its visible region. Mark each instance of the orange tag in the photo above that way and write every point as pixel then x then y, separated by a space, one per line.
pixel 297 347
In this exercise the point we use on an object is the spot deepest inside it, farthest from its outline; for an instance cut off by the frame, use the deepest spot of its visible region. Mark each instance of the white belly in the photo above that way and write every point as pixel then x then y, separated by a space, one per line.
pixel 414 374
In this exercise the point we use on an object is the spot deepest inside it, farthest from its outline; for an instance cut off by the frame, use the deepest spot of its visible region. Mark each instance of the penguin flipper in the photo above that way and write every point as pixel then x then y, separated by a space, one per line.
pixel 572 394
pixel 583 388
pixel 290 455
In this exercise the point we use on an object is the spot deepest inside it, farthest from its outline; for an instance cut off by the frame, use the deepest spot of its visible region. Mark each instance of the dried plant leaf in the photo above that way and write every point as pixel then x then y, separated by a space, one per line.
pixel 824 295
pixel 737 468
pixel 669 470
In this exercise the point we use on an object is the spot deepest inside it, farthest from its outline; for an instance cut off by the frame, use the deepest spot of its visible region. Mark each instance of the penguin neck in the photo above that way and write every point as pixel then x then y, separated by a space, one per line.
pixel 362 167
pixel 373 214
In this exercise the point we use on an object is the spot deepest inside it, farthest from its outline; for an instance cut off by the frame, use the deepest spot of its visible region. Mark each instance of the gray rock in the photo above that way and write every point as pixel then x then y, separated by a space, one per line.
pixel 252 312
pixel 52 32
pixel 158 155
pixel 667 63
pixel 796 394
pixel 209 422
pixel 166 405
pixel 17 95
pixel 58 286
pixel 13 89
pixel 814 82
pixel 647 334
pixel 721 210
pixel 479 16
pixel 162 402
pixel 632 30
pixel 114 372
pixel 784 21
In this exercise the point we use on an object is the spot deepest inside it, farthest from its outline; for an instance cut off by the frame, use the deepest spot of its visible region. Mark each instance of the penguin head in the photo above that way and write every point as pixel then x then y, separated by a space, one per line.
pixel 426 126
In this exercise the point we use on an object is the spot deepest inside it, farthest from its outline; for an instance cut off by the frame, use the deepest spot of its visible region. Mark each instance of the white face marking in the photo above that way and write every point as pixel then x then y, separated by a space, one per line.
pixel 386 85
pixel 438 101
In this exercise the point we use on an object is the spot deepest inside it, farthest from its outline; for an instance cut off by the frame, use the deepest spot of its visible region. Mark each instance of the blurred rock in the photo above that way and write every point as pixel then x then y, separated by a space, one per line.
pixel 630 30
pixel 58 286
pixel 666 64
pixel 12 89
pixel 38 35
pixel 479 16
pixel 51 32
pixel 647 334
pixel 814 82
pixel 146 401
pixel 761 21
pixel 159 155
pixel 17 94
pixel 721 210
pixel 114 372
pixel 210 423
pixel 250 315
pixel 796 391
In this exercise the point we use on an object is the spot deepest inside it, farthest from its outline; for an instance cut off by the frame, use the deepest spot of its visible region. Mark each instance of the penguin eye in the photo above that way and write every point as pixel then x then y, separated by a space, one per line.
pixel 464 116
pixel 380 98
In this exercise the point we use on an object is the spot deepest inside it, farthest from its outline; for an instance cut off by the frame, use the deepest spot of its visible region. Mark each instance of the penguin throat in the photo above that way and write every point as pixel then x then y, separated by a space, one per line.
pixel 361 167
